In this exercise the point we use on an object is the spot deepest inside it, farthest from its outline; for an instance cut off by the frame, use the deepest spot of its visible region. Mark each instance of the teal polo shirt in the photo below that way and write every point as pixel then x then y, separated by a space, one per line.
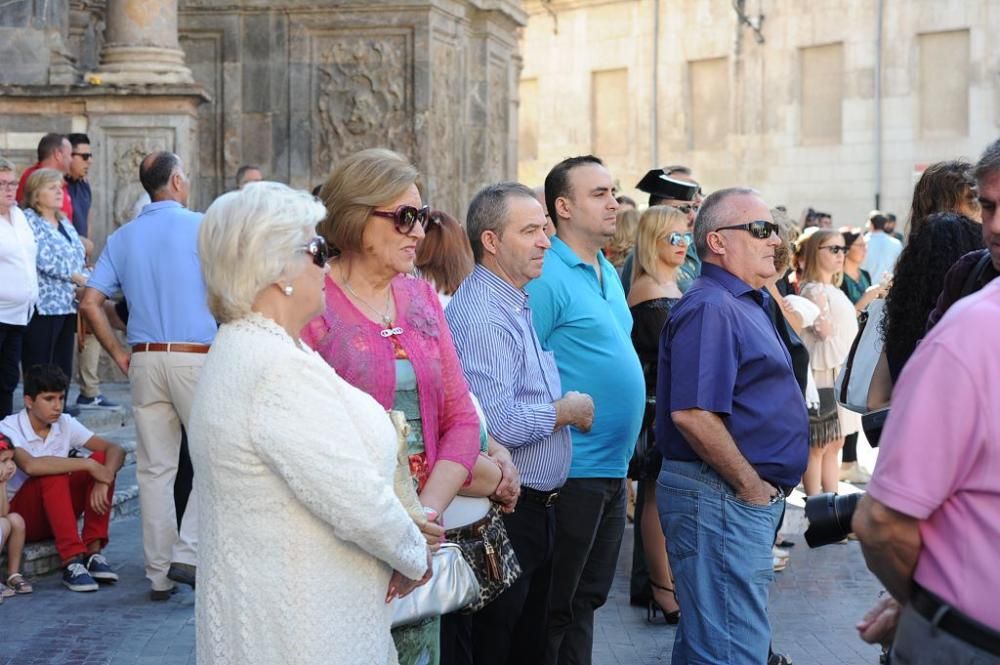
pixel 587 325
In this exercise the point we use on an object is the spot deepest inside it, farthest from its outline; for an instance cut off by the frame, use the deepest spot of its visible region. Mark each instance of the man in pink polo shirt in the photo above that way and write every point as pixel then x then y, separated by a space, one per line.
pixel 930 523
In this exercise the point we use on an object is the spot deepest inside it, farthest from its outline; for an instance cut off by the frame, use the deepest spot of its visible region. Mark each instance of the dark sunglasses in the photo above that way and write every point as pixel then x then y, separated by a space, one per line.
pixel 678 239
pixel 85 156
pixel 404 218
pixel 759 229
pixel 686 208
pixel 319 250
pixel 836 249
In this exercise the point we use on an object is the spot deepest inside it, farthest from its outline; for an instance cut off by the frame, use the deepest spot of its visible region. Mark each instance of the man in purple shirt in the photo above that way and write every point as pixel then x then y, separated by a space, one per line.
pixel 733 429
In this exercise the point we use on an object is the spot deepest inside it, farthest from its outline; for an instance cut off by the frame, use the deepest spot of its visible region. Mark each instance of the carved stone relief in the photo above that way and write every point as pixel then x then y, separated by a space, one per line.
pixel 497 134
pixel 361 95
pixel 445 113
pixel 128 191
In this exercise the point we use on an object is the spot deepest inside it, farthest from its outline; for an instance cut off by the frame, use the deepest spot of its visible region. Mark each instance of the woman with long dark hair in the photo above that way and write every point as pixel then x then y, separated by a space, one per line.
pixel 935 246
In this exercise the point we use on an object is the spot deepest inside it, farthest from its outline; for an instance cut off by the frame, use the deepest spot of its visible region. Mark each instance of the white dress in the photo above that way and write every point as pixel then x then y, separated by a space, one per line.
pixel 826 356
pixel 299 526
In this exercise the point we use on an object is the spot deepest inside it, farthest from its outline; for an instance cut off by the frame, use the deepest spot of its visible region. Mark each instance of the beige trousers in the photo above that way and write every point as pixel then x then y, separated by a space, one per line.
pixel 90 357
pixel 163 386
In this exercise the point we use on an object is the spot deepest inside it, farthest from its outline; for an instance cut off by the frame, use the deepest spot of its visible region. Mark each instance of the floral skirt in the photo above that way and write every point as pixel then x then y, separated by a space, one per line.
pixel 419 643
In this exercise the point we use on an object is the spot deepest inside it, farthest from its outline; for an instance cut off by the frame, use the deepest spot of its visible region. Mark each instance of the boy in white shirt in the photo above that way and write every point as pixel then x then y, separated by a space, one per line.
pixel 51 489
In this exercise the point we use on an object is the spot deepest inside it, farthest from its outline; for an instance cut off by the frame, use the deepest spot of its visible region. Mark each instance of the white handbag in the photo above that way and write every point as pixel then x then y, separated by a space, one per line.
pixel 856 375
pixel 452 587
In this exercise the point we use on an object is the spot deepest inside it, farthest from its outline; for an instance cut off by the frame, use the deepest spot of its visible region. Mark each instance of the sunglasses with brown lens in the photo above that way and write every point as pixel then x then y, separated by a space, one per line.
pixel 404 218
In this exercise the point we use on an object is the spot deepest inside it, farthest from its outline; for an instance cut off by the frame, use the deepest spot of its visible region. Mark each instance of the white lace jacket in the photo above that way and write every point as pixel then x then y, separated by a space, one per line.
pixel 299 527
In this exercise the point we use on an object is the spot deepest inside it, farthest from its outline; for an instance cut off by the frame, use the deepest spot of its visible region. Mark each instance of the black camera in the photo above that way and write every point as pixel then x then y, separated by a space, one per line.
pixel 829 516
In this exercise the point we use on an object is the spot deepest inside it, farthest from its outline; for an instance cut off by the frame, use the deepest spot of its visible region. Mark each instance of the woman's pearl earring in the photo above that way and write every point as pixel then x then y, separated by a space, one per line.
pixel 288 289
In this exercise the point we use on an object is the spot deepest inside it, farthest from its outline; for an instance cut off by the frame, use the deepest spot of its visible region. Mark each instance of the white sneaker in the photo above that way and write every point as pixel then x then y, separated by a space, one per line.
pixel 855 474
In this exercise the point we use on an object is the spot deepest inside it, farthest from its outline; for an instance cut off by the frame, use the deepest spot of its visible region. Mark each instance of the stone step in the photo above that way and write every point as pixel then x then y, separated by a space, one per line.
pixel 117 426
pixel 41 558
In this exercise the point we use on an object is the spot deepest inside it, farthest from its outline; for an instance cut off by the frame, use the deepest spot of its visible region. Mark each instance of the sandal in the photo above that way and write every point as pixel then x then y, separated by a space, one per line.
pixel 671 618
pixel 18 584
pixel 5 592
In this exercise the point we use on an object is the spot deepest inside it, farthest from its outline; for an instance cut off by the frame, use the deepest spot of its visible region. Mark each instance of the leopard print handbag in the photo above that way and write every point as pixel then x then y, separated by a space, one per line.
pixel 488 550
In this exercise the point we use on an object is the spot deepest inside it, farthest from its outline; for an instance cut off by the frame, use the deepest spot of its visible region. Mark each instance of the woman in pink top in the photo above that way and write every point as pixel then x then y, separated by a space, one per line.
pixel 384 332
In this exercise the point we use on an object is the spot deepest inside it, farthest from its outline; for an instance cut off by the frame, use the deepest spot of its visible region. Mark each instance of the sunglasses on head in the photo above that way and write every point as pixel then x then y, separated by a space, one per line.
pixel 758 229
pixel 836 249
pixel 678 239
pixel 319 250
pixel 404 218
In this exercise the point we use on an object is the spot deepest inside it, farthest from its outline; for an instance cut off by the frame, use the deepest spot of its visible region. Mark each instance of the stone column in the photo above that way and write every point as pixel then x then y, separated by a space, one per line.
pixel 141 45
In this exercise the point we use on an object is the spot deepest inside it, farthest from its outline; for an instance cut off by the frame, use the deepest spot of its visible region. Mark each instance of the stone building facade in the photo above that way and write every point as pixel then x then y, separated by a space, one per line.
pixel 814 103
pixel 289 85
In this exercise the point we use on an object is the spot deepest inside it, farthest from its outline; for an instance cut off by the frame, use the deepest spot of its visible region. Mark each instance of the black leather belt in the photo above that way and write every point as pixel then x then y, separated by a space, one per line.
pixel 545 498
pixel 953 622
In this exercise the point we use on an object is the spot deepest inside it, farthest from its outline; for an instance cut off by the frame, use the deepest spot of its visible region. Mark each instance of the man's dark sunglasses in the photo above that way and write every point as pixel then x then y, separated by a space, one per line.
pixel 404 218
pixel 758 229
pixel 85 156
pixel 319 250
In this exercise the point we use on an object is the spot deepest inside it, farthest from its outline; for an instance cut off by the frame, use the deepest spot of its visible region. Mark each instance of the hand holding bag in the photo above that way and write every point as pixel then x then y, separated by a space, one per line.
pixel 453 585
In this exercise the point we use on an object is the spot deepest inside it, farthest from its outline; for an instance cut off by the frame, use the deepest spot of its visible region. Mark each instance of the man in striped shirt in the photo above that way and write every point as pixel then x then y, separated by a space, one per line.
pixel 518 386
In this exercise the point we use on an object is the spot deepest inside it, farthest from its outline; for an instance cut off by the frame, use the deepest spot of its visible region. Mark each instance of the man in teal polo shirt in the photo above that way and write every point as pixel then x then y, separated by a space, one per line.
pixel 579 312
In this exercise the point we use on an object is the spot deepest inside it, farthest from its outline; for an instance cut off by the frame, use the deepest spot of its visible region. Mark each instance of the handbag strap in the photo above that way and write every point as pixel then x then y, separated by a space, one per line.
pixel 849 365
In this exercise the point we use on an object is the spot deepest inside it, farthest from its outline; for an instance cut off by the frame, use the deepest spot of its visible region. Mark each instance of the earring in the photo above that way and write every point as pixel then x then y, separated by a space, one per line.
pixel 288 289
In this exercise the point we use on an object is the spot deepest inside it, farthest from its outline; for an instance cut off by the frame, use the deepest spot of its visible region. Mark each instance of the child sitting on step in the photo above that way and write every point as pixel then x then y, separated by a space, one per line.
pixel 51 488
pixel 11 526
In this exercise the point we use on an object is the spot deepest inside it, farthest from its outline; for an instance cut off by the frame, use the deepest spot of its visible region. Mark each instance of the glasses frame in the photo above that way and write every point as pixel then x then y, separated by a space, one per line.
pixel 675 239
pixel 319 250
pixel 750 227
pixel 836 249
pixel 85 156
pixel 421 215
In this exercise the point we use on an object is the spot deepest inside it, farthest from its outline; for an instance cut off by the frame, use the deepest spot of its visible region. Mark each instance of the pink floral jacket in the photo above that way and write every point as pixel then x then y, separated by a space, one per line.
pixel 351 343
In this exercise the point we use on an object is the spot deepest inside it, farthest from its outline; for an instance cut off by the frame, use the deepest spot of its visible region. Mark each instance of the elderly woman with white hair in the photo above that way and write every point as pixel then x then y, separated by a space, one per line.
pixel 300 529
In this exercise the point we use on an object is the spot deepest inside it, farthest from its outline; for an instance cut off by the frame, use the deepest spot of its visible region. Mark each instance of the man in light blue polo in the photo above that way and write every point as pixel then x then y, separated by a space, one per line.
pixel 154 261
pixel 580 314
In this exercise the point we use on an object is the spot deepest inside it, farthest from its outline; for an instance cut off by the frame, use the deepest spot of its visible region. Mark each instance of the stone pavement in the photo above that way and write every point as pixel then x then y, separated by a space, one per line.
pixel 815 603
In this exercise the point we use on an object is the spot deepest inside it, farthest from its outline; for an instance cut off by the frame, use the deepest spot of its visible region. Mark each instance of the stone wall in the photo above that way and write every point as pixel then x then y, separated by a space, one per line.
pixel 291 86
pixel 296 86
pixel 793 116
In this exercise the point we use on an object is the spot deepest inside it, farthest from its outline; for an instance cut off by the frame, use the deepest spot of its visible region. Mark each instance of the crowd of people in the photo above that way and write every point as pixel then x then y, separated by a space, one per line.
pixel 361 378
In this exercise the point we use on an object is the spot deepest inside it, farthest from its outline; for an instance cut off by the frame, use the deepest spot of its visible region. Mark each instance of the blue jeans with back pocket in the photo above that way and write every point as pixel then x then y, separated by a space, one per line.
pixel 720 554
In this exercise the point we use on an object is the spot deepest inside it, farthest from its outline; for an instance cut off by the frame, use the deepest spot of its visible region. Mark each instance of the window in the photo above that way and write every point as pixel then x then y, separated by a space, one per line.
pixel 822 94
pixel 709 113
pixel 944 84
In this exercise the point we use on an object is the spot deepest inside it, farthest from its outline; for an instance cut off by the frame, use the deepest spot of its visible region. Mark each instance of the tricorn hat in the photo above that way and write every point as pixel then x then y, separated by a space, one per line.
pixel 659 184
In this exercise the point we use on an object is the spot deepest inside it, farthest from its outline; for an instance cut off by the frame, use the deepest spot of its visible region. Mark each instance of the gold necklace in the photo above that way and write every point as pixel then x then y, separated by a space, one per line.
pixel 386 315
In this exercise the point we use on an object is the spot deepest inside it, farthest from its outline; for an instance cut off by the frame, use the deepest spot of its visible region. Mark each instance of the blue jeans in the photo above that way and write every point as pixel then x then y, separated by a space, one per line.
pixel 720 554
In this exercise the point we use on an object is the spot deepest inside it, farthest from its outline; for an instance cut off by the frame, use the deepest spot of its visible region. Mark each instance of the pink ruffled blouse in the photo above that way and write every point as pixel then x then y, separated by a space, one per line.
pixel 352 344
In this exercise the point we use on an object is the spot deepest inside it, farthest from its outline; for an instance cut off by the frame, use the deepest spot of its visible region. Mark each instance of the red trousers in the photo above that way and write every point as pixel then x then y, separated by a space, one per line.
pixel 50 506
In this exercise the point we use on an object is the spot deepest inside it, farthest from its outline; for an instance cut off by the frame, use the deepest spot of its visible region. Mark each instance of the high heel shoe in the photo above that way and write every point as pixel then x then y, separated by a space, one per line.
pixel 671 618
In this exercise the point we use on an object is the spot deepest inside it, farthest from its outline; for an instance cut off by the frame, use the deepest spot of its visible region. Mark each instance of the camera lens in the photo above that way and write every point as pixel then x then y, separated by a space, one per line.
pixel 829 516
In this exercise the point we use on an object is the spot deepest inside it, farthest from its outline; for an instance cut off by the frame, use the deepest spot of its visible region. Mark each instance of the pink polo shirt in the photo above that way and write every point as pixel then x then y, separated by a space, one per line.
pixel 939 460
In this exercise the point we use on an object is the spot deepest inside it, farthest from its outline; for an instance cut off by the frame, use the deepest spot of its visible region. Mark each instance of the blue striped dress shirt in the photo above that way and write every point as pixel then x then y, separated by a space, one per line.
pixel 515 380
